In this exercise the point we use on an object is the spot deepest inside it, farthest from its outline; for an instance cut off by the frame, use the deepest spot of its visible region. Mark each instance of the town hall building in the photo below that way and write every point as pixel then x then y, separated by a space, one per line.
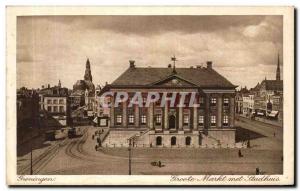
pixel 210 121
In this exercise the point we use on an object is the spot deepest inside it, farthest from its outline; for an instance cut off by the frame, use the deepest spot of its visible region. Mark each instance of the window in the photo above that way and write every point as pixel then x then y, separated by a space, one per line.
pixel 144 100
pixel 55 109
pixel 119 119
pixel 158 119
pixel 158 141
pixel 61 108
pixel 49 108
pixel 49 101
pixel 108 101
pixel 201 120
pixel 55 101
pixel 188 141
pixel 213 120
pixel 131 119
pixel 185 119
pixel 201 101
pixel 225 120
pixel 173 140
pixel 157 103
pixel 226 101
pixel 143 119
pixel 61 101
pixel 213 101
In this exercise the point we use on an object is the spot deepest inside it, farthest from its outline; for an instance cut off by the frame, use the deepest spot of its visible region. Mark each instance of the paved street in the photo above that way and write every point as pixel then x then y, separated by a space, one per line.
pixel 78 156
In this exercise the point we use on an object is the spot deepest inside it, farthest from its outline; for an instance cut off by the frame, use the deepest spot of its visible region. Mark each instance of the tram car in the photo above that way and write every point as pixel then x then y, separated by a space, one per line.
pixel 72 133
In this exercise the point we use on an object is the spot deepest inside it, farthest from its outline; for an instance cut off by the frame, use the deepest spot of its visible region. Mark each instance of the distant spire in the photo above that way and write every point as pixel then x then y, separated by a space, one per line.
pixel 88 74
pixel 278 69
pixel 59 83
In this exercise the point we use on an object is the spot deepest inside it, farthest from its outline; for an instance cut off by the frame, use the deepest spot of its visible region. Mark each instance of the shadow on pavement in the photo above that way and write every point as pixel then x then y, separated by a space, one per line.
pixel 243 134
pixel 36 143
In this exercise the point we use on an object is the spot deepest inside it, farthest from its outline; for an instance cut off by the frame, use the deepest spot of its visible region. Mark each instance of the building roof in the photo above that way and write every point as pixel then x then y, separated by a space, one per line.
pixel 275 85
pixel 26 93
pixel 54 91
pixel 83 85
pixel 199 77
pixel 77 93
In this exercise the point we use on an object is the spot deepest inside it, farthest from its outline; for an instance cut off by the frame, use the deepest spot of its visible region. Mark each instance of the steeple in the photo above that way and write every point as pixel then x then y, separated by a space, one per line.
pixel 59 83
pixel 278 70
pixel 88 74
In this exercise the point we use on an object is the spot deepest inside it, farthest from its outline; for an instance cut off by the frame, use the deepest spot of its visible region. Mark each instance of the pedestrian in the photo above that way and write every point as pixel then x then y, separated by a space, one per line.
pixel 159 164
pixel 240 153
pixel 274 134
pixel 93 137
pixel 98 139
pixel 257 171
pixel 248 144
pixel 96 147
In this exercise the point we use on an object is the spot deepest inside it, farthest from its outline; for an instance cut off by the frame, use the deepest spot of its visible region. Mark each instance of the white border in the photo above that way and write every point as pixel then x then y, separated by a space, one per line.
pixel 288 74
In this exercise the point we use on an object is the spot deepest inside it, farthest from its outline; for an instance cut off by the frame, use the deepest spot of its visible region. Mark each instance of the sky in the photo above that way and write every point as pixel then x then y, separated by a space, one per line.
pixel 244 49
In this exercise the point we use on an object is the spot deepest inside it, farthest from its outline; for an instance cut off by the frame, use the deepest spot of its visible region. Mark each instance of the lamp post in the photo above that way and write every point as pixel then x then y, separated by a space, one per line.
pixel 129 157
pixel 31 170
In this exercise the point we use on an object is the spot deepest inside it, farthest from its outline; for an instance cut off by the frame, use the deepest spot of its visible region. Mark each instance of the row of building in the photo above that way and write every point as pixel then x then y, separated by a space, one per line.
pixel 265 100
pixel 212 120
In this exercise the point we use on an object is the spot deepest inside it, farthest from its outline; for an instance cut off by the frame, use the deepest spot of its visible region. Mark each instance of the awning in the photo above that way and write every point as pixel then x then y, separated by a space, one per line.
pixel 260 113
pixel 273 113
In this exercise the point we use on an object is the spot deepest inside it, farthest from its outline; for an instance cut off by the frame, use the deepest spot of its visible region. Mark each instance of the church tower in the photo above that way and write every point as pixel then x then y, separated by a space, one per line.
pixel 88 74
pixel 59 83
pixel 278 70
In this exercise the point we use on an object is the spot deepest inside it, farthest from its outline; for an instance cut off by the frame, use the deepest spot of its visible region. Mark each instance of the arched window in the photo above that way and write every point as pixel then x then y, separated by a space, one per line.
pixel 173 140
pixel 158 140
pixel 188 141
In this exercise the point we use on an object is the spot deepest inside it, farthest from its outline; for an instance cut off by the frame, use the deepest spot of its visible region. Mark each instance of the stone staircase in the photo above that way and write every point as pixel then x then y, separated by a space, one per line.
pixel 119 138
pixel 209 141
pixel 141 138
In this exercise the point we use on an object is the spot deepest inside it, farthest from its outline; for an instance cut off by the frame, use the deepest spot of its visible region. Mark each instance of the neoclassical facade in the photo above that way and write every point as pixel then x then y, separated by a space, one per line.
pixel 208 121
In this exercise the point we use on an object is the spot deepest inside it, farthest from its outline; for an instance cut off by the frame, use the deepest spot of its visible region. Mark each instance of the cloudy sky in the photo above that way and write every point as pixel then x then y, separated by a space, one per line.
pixel 243 48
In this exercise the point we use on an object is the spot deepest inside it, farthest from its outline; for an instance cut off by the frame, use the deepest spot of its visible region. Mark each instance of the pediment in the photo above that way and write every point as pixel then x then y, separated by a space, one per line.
pixel 174 81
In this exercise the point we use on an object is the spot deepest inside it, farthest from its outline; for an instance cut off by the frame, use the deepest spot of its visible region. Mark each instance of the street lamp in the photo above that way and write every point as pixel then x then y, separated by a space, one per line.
pixel 31 170
pixel 129 157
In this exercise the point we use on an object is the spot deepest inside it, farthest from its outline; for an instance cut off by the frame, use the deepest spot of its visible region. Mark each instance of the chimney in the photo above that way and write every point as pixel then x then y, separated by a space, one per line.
pixel 131 64
pixel 170 66
pixel 209 64
pixel 48 85
pixel 42 86
pixel 198 66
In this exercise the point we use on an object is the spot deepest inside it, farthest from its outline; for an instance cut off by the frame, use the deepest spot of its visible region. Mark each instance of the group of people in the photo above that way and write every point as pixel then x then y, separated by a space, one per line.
pixel 99 142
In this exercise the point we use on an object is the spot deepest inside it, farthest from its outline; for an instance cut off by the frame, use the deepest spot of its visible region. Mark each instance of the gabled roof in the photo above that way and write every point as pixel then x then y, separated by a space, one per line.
pixel 201 77
pixel 54 91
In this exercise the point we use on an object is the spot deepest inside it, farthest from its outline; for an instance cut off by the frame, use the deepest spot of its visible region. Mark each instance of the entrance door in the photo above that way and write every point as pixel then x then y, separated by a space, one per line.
pixel 172 122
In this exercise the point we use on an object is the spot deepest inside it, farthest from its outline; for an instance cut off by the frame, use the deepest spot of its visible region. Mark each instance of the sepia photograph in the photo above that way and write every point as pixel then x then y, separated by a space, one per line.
pixel 193 97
